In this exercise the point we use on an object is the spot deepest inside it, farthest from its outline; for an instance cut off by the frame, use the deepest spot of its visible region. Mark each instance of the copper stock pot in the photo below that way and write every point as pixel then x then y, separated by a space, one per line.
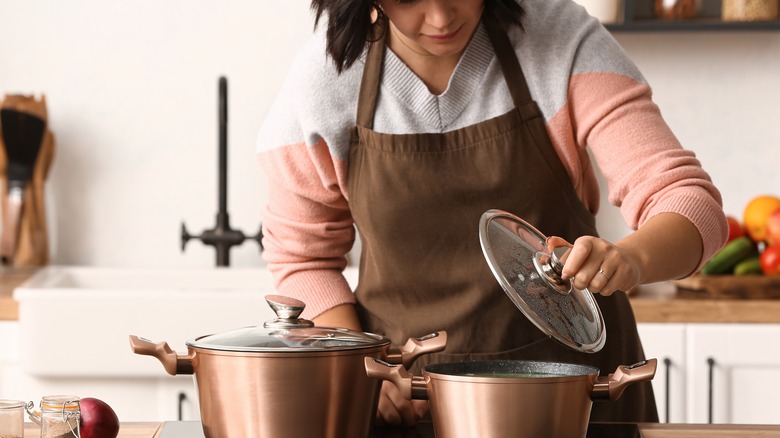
pixel 286 378
pixel 510 398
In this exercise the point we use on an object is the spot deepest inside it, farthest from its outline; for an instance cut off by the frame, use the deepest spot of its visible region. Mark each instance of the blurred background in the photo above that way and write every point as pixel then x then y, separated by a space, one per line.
pixel 131 90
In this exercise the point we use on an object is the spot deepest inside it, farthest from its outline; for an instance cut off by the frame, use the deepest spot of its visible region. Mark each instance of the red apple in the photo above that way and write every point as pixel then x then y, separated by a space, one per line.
pixel 98 420
pixel 735 228
pixel 773 228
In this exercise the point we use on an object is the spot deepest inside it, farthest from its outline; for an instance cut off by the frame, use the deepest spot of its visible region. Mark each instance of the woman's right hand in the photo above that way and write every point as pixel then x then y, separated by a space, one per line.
pixel 395 410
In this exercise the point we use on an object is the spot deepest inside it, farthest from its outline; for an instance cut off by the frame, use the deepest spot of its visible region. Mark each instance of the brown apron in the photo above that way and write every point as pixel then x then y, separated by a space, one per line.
pixel 417 199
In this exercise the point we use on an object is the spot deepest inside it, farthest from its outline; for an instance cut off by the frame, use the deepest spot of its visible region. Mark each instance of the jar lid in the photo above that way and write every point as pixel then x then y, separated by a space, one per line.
pixel 530 275
pixel 60 402
pixel 288 334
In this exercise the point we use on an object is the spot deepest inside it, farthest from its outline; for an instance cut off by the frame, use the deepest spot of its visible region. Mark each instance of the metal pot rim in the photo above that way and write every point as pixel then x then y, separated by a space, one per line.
pixel 547 371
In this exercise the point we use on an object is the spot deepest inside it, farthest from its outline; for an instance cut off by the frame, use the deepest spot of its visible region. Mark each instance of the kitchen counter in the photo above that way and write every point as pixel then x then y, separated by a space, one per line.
pixel 658 302
pixel 9 279
pixel 126 430
pixel 662 302
pixel 154 430
pixel 708 430
pixel 648 430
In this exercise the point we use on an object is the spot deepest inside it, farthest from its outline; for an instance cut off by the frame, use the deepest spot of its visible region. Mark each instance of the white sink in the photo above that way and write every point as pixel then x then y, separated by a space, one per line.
pixel 75 321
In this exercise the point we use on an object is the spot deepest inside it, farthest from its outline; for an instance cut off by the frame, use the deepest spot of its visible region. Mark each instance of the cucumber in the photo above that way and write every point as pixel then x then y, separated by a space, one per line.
pixel 749 266
pixel 729 256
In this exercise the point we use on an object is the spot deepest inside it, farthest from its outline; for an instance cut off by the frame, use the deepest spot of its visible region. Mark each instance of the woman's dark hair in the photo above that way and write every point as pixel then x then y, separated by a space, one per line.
pixel 350 29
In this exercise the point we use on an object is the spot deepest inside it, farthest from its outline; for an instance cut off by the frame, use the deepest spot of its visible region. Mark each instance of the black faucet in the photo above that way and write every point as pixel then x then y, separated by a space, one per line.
pixel 222 237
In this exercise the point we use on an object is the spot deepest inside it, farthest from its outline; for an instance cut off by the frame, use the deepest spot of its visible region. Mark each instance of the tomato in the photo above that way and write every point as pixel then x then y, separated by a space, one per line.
pixel 770 260
pixel 773 228
pixel 735 228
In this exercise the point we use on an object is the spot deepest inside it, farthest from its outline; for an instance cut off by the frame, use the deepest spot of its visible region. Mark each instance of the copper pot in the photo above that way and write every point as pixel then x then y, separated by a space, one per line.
pixel 517 398
pixel 286 378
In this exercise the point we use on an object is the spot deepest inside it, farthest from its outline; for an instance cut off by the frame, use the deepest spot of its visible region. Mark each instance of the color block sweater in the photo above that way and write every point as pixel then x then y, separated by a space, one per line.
pixel 595 102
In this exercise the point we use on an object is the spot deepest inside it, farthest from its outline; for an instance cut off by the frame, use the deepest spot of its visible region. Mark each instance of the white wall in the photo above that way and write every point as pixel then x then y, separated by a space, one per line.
pixel 132 96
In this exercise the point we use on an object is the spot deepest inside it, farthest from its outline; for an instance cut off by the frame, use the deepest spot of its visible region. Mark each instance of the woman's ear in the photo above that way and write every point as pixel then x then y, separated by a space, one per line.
pixel 376 13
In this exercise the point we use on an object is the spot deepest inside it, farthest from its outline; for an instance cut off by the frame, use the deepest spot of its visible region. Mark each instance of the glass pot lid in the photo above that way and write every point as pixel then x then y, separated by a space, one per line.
pixel 530 275
pixel 288 334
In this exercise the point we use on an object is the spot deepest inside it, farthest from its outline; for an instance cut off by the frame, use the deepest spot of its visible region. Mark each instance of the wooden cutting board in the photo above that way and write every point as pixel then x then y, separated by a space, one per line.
pixel 730 286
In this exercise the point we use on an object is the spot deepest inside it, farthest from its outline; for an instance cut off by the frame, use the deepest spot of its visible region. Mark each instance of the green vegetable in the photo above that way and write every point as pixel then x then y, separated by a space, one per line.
pixel 749 266
pixel 729 256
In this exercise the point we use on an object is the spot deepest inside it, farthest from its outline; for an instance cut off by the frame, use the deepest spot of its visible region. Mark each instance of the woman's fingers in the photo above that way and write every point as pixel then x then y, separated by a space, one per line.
pixel 395 409
pixel 601 282
pixel 589 265
pixel 597 265
pixel 555 242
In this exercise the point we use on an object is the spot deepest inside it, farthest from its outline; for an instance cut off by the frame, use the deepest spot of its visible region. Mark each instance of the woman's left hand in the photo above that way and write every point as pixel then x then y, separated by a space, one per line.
pixel 597 265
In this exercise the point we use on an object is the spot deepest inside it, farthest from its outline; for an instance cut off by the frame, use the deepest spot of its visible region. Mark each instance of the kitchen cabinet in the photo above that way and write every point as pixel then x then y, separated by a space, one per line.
pixel 715 373
pixel 639 16
pixel 666 342
pixel 734 373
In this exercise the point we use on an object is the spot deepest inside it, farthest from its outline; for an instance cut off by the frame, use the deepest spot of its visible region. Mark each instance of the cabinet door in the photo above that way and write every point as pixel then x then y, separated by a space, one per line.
pixel 666 342
pixel 178 399
pixel 734 373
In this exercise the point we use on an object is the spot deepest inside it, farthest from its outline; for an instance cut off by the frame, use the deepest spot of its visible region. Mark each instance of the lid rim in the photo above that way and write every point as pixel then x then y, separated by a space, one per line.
pixel 287 350
pixel 372 341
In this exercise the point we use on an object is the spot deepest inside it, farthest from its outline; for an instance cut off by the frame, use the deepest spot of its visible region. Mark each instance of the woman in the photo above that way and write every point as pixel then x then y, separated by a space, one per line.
pixel 407 119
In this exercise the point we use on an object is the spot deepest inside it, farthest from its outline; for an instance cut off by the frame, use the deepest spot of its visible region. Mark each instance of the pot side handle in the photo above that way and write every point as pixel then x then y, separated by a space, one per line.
pixel 416 347
pixel 172 362
pixel 411 387
pixel 611 387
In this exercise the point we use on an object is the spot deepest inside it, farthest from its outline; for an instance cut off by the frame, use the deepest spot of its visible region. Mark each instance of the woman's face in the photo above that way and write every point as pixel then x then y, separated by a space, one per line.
pixel 433 27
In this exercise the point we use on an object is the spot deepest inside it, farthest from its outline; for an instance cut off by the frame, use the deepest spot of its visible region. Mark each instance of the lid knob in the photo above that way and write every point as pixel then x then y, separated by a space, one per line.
pixel 555 260
pixel 287 311
pixel 550 268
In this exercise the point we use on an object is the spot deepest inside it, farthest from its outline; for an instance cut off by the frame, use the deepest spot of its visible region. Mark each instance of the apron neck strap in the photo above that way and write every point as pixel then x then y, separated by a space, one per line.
pixel 372 77
pixel 507 58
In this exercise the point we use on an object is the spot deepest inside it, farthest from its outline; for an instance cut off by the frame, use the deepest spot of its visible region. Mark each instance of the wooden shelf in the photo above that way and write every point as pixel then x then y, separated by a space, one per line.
pixel 692 25
pixel 639 16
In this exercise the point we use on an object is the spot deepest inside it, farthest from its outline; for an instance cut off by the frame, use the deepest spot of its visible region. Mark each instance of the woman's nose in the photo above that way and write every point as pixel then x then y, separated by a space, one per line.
pixel 440 13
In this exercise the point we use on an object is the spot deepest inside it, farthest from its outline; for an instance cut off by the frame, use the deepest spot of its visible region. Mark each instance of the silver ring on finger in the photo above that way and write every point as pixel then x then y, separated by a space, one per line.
pixel 601 271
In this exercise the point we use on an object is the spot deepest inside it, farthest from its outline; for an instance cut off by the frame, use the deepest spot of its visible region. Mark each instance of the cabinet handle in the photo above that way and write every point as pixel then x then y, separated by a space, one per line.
pixel 668 366
pixel 711 366
pixel 182 398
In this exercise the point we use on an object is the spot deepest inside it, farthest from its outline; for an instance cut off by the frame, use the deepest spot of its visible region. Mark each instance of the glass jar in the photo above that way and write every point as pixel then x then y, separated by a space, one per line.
pixel 677 9
pixel 749 10
pixel 59 416
pixel 11 418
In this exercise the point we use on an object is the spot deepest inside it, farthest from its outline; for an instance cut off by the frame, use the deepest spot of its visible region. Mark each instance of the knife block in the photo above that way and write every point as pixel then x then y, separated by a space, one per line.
pixel 32 244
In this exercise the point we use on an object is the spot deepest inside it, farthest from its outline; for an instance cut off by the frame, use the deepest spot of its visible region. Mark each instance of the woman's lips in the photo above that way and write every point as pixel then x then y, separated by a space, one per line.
pixel 447 36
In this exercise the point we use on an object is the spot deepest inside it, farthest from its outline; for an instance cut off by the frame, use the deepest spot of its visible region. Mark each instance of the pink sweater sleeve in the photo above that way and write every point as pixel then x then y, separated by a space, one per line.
pixel 307 225
pixel 646 169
